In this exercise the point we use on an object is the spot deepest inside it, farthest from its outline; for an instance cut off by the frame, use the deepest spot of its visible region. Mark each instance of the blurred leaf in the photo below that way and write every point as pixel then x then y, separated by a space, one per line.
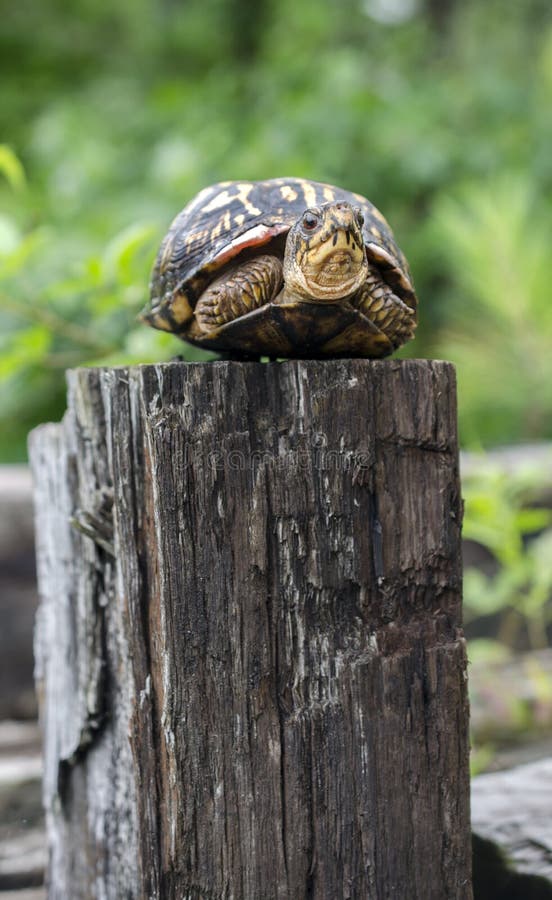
pixel 420 118
pixel 499 516
pixel 28 345
pixel 11 168
pixel 530 520
pixel 495 238
pixel 10 235
pixel 481 597
pixel 14 260
pixel 124 255
pixel 481 757
pixel 487 651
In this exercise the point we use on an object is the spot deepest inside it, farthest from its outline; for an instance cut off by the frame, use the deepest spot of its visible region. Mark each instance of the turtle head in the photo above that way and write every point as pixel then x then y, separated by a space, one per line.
pixel 325 259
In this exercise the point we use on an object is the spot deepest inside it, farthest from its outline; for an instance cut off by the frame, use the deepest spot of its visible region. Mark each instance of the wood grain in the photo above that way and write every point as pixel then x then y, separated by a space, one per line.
pixel 255 687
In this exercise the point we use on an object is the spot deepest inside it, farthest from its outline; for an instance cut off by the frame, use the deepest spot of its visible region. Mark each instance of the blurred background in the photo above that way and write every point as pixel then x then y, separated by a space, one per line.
pixel 114 115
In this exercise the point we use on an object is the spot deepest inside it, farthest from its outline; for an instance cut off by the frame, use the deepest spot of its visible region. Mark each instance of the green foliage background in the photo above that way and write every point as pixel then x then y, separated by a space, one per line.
pixel 114 115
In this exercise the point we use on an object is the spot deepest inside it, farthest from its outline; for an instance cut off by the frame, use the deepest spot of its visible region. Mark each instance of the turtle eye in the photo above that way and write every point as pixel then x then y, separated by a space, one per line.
pixel 359 217
pixel 310 221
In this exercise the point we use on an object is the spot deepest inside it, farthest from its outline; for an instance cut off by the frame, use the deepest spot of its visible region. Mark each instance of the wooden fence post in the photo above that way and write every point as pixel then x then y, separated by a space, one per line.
pixel 249 656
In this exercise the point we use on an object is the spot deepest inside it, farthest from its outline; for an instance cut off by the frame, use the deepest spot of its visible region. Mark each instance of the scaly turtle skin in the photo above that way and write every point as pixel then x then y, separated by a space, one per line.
pixel 285 267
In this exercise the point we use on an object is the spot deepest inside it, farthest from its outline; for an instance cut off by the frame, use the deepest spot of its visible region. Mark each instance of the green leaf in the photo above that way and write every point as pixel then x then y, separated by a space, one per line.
pixel 11 168
pixel 23 348
pixel 121 254
pixel 14 261
pixel 530 520
pixel 481 598
pixel 481 757
pixel 487 651
pixel 10 235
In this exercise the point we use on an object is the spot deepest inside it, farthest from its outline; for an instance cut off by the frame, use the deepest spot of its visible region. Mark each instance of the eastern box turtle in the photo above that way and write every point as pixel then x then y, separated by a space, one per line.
pixel 283 268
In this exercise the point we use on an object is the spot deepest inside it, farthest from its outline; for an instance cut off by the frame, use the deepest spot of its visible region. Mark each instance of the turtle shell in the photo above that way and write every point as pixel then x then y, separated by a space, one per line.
pixel 243 217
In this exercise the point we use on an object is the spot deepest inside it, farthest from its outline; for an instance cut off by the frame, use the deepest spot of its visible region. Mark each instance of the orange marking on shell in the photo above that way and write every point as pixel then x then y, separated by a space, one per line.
pixel 255 237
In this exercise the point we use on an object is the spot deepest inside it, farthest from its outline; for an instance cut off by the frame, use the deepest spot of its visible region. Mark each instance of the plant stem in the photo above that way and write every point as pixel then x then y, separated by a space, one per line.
pixel 57 324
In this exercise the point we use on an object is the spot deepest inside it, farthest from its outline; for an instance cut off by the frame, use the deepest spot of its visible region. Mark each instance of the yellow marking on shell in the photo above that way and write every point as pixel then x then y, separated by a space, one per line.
pixel 309 193
pixel 288 193
pixel 158 322
pixel 196 237
pixel 181 310
pixel 197 200
pixel 226 223
pixel 328 194
pixel 239 219
pixel 244 189
pixel 215 233
pixel 375 231
pixel 225 198
pixel 379 216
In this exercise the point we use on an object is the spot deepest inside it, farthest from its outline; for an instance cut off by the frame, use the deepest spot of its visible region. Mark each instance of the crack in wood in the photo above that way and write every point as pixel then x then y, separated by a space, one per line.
pixel 284 680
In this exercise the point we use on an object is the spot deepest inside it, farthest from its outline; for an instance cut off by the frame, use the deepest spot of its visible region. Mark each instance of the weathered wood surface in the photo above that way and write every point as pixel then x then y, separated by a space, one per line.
pixel 18 596
pixel 274 624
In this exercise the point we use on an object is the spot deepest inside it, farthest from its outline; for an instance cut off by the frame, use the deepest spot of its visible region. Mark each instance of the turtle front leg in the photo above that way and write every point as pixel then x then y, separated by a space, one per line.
pixel 239 291
pixel 385 309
